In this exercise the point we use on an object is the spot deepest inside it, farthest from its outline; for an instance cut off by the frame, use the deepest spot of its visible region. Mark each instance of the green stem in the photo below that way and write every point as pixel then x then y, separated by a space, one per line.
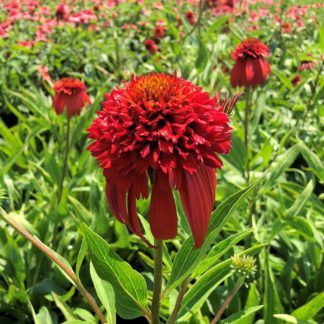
pixel 319 72
pixel 197 24
pixel 65 162
pixel 157 282
pixel 228 300
pixel 248 96
pixel 51 255
pixel 182 290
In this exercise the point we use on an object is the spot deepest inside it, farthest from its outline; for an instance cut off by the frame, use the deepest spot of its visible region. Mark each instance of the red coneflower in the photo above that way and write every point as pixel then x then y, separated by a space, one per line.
pixel 307 64
pixel 61 12
pixel 151 46
pixel 221 6
pixel 250 68
pixel 166 129
pixel 296 80
pixel 159 32
pixel 43 71
pixel 286 27
pixel 190 17
pixel 71 94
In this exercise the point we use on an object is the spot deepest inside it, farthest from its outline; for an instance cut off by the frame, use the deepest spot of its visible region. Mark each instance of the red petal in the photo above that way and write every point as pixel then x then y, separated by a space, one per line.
pixel 140 186
pixel 117 202
pixel 58 103
pixel 197 194
pixel 235 75
pixel 163 215
pixel 250 70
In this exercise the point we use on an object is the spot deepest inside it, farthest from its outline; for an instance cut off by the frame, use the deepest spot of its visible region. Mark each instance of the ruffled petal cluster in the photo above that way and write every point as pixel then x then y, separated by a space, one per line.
pixel 161 128
pixel 250 68
pixel 71 94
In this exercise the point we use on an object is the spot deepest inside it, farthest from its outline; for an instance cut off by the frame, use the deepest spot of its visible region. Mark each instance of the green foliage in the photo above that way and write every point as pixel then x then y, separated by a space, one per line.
pixel 129 285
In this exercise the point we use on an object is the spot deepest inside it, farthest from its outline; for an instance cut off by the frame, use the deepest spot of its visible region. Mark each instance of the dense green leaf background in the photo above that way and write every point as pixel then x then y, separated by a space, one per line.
pixel 277 217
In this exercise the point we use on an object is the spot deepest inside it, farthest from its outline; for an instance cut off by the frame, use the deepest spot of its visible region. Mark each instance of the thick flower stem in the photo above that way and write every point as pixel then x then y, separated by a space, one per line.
pixel 182 290
pixel 65 161
pixel 228 299
pixel 51 255
pixel 157 282
pixel 248 101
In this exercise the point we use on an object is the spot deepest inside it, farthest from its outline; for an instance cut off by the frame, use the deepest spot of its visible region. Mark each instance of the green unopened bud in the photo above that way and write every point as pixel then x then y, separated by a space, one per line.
pixel 244 264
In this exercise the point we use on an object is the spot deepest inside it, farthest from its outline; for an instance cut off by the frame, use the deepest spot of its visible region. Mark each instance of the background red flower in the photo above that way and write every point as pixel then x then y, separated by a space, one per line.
pixel 250 68
pixel 70 94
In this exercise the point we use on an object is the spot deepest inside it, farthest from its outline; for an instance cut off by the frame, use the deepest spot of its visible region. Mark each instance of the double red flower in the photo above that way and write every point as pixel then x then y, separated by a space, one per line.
pixel 71 94
pixel 164 129
pixel 250 68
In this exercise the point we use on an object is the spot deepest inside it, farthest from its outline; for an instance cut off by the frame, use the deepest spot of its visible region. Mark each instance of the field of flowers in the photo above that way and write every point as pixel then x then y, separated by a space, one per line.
pixel 161 161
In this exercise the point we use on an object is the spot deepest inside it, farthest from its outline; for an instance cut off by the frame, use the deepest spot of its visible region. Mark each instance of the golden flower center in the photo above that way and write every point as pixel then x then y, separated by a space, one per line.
pixel 151 86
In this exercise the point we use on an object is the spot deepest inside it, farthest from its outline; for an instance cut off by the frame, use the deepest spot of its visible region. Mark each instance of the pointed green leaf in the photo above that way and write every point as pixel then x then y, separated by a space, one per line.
pixel 310 309
pixel 129 285
pixel 106 295
pixel 205 285
pixel 241 315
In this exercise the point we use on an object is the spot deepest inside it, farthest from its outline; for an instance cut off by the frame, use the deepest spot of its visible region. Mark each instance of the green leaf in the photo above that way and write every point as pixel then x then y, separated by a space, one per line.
pixel 303 226
pixel 202 57
pixel 237 156
pixel 199 292
pixel 272 302
pixel 291 319
pixel 253 299
pixel 106 295
pixel 241 315
pixel 286 159
pixel 188 257
pixel 313 161
pixel 310 309
pixel 283 163
pixel 44 316
pixel 284 80
pixel 65 309
pixel 301 200
pixel 220 249
pixel 217 24
pixel 129 285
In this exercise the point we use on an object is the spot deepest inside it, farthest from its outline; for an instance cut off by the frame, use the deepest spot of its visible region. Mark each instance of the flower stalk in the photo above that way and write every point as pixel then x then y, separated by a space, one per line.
pixel 182 291
pixel 51 255
pixel 248 104
pixel 157 281
pixel 228 299
pixel 65 161
pixel 197 24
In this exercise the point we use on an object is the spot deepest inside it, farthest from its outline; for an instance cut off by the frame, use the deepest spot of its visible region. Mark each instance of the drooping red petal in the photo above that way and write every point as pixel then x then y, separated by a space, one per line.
pixel 236 74
pixel 259 77
pixel 117 202
pixel 197 194
pixel 58 103
pixel 133 220
pixel 140 186
pixel 250 70
pixel 163 215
